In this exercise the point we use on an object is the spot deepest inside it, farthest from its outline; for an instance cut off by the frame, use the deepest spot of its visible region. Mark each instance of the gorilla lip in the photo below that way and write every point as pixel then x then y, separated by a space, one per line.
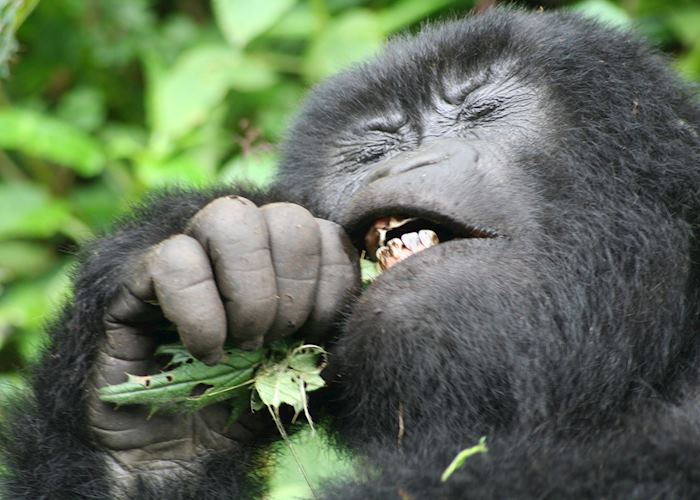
pixel 391 239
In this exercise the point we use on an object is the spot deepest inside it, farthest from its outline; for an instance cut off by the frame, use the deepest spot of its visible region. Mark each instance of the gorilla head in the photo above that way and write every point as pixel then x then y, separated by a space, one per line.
pixel 558 161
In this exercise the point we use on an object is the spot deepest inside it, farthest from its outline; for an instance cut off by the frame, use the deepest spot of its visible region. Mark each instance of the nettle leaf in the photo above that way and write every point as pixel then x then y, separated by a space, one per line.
pixel 191 385
pixel 288 381
pixel 272 376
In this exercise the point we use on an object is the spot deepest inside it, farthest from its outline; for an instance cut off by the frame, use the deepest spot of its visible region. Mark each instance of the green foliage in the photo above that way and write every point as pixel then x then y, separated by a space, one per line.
pixel 271 376
pixel 369 271
pixel 46 137
pixel 174 389
pixel 242 20
pixel 12 14
pixel 461 458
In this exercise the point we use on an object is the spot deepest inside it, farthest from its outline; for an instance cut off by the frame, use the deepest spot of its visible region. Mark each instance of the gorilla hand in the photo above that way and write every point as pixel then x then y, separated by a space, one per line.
pixel 240 273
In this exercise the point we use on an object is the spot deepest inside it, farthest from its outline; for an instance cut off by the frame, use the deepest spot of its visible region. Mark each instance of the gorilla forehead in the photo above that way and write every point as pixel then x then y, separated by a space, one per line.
pixel 417 92
pixel 573 111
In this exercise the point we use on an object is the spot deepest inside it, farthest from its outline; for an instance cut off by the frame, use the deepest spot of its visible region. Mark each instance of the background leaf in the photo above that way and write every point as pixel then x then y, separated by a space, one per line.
pixel 50 138
pixel 212 71
pixel 29 211
pixel 242 20
pixel 350 38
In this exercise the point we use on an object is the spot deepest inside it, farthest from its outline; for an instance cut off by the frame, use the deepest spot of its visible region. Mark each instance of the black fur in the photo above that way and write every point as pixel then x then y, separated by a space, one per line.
pixel 571 343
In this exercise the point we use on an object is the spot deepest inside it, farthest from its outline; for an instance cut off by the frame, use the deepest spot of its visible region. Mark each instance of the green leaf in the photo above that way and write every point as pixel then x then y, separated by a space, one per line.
pixel 685 24
pixel 242 20
pixel 461 458
pixel 26 7
pixel 299 23
pixel 97 203
pixel 258 168
pixel 46 137
pixel 178 354
pixel 11 385
pixel 26 305
pixel 604 11
pixel 402 14
pixel 275 107
pixel 83 107
pixel 353 37
pixel 28 211
pixel 251 74
pixel 123 141
pixel 321 459
pixel 369 271
pixel 12 14
pixel 23 259
pixel 175 389
pixel 183 96
pixel 286 382
pixel 689 64
pixel 178 171
pixel 307 359
pixel 277 373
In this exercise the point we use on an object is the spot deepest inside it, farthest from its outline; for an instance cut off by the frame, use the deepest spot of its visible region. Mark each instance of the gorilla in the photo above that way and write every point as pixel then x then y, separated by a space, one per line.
pixel 556 164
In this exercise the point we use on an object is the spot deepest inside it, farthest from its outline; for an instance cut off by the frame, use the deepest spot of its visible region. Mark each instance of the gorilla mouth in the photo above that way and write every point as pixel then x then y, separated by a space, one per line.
pixel 391 239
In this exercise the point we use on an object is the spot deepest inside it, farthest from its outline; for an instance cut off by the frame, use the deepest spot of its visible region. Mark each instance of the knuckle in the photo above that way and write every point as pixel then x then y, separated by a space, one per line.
pixel 220 211
pixel 179 252
pixel 284 212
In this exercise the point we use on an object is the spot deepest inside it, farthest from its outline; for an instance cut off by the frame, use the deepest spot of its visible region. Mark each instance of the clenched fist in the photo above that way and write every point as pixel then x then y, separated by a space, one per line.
pixel 240 274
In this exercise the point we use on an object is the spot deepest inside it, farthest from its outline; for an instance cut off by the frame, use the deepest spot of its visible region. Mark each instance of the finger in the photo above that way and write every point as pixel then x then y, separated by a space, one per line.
pixel 132 303
pixel 187 294
pixel 339 275
pixel 128 318
pixel 125 351
pixel 234 233
pixel 295 246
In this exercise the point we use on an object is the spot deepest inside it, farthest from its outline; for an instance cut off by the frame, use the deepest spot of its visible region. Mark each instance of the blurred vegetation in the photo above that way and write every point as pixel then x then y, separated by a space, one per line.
pixel 103 100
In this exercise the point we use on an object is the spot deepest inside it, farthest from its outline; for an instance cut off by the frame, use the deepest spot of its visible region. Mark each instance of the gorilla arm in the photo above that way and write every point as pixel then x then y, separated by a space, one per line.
pixel 64 443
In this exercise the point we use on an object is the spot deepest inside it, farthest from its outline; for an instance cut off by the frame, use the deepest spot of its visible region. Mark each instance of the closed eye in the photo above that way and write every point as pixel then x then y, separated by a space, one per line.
pixel 376 146
pixel 479 110
pixel 387 125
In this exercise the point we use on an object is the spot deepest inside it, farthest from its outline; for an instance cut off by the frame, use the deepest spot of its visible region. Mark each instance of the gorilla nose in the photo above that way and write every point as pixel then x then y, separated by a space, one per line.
pixel 435 152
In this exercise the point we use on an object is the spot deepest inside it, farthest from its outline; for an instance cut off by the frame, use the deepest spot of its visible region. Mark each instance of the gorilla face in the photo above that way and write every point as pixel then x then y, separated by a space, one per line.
pixel 540 163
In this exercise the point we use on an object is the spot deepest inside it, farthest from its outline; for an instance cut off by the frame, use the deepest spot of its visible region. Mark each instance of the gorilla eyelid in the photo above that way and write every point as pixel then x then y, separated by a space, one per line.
pixel 480 109
pixel 373 152
pixel 456 94
pixel 385 125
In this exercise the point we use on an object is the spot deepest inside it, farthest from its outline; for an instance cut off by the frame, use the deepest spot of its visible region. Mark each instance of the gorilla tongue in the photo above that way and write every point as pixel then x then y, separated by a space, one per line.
pixel 397 249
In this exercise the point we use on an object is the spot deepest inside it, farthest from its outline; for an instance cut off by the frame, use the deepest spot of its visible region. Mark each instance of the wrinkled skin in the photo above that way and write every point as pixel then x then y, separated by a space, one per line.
pixel 239 274
pixel 558 317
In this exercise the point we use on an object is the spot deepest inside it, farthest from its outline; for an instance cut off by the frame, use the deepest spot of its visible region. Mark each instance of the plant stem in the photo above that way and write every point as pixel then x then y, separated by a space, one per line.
pixel 274 413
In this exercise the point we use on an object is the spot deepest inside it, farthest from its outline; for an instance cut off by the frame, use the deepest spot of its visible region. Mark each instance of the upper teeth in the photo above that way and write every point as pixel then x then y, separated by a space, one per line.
pixel 397 249
pixel 428 238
